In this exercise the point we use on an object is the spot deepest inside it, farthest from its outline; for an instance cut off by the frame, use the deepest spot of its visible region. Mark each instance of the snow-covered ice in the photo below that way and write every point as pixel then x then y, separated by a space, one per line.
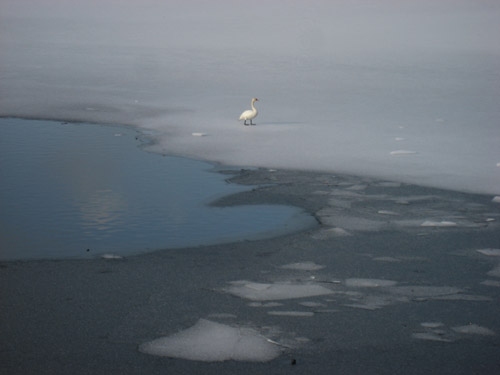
pixel 335 79
pixel 212 342
pixel 275 291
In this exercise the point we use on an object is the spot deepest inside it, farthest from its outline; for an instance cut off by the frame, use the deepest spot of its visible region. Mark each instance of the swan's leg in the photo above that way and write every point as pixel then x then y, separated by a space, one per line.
pixel 251 123
pixel 245 123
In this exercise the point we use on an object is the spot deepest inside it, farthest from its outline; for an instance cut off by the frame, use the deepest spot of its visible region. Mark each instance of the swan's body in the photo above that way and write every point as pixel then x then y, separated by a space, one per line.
pixel 250 114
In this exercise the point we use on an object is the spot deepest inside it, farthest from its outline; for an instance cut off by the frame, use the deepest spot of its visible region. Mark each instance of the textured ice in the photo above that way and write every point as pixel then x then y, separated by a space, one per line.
pixel 431 336
pixel 490 252
pixel 303 266
pixel 474 329
pixel 210 342
pixel 137 71
pixel 369 283
pixel 495 272
pixel 496 199
pixel 430 223
pixel 431 324
pixel 276 291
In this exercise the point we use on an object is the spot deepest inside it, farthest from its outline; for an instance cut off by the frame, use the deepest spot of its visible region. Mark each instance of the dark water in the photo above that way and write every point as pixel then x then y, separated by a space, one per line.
pixel 80 190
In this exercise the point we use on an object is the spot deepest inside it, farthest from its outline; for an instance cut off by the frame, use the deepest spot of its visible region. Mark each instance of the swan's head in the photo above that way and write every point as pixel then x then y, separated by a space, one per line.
pixel 255 100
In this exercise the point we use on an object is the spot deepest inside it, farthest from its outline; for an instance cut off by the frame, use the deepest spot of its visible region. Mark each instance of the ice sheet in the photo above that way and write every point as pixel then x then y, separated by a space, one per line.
pixel 340 83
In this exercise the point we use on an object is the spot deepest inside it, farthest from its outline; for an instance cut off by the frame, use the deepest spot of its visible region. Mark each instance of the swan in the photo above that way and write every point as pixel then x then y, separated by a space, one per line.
pixel 250 114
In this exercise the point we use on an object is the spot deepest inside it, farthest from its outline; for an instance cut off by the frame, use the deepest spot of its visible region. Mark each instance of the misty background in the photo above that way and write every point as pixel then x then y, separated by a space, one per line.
pixel 403 90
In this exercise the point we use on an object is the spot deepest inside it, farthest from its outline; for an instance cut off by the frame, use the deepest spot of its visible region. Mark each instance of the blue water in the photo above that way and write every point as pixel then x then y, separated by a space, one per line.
pixel 82 190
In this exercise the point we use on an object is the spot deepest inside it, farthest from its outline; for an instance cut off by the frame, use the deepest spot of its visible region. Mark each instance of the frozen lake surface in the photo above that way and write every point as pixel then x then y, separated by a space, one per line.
pixel 404 91
pixel 81 190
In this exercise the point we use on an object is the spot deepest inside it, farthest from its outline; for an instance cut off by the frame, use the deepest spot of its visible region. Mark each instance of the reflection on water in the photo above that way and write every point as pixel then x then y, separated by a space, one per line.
pixel 80 190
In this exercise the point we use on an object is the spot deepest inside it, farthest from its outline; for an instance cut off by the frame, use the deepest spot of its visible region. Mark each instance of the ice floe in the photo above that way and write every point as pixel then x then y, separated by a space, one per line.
pixel 473 329
pixel 275 291
pixel 303 266
pixel 368 283
pixel 111 256
pixel 495 272
pixel 431 336
pixel 439 224
pixel 490 252
pixel 496 199
pixel 210 342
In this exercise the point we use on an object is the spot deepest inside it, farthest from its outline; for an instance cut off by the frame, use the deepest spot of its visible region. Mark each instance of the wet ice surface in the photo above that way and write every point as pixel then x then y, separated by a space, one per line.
pixel 382 269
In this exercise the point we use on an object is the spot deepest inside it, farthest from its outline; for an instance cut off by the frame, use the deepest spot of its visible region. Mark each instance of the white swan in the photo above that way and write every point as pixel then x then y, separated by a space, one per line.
pixel 250 114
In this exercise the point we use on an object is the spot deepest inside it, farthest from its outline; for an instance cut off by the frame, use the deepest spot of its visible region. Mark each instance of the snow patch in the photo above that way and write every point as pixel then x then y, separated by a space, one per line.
pixel 214 342
pixel 276 291
pixel 473 329
pixel 303 266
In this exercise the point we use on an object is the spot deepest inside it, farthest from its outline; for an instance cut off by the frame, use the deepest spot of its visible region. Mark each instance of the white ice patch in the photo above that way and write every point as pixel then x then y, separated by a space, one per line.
pixel 403 152
pixel 495 272
pixel 325 234
pixel 276 291
pixel 387 212
pixel 431 324
pixel 494 283
pixel 474 329
pixel 368 283
pixel 438 224
pixel 198 134
pixel 496 199
pixel 490 252
pixel 303 266
pixel 213 342
pixel 431 336
pixel 111 256
pixel 312 304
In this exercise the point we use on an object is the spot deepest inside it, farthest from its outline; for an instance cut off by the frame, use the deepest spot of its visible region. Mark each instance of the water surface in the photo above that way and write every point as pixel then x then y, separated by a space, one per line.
pixel 81 190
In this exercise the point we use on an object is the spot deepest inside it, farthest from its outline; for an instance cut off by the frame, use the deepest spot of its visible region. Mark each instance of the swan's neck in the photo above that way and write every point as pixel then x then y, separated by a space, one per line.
pixel 253 107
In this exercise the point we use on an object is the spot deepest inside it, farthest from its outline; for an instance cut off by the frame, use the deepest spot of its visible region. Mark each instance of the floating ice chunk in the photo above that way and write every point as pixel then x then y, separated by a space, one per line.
pixel 491 283
pixel 495 272
pixel 402 152
pixel 439 224
pixel 424 291
pixel 324 234
pixel 268 304
pixel 498 164
pixel 496 199
pixel 431 336
pixel 277 291
pixel 118 134
pixel 312 304
pixel 386 212
pixel 197 134
pixel 490 252
pixel 399 139
pixel 352 223
pixel 369 283
pixel 210 342
pixel 371 302
pixel 111 256
pixel 303 266
pixel 431 324
pixel 292 313
pixel 474 329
